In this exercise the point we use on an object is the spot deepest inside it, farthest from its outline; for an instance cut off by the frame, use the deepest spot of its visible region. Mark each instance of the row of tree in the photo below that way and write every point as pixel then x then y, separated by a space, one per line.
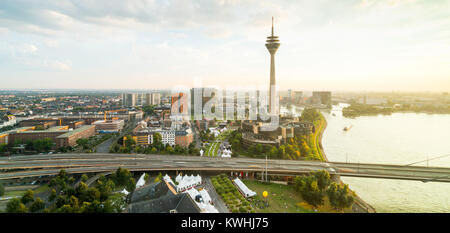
pixel 128 145
pixel 27 203
pixel 39 145
pixel 88 144
pixel 65 198
pixel 295 148
pixel 315 186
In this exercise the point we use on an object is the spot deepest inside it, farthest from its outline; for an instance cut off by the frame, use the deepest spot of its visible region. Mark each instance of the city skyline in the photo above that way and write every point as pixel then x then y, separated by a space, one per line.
pixel 346 46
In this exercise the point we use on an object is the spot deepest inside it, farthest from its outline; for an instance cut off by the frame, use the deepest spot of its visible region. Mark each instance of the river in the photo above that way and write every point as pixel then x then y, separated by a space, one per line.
pixel 400 138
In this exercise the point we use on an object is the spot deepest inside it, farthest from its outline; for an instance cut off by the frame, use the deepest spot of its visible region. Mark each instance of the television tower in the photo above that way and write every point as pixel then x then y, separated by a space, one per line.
pixel 272 44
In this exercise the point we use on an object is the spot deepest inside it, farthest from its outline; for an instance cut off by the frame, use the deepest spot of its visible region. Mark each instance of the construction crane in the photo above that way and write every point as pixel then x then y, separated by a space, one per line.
pixel 118 110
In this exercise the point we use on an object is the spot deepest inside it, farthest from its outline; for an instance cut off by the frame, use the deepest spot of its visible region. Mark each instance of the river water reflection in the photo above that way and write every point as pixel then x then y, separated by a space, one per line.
pixel 400 138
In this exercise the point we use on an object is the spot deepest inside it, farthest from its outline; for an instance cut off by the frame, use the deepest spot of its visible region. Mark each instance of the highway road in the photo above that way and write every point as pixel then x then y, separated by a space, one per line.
pixel 38 165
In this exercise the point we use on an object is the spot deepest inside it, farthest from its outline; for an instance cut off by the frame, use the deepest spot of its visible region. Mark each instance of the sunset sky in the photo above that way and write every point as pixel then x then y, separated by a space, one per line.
pixel 345 45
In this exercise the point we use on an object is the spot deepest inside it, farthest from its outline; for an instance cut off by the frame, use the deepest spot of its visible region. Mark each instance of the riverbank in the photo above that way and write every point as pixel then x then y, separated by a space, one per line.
pixel 360 206
pixel 357 110
pixel 320 134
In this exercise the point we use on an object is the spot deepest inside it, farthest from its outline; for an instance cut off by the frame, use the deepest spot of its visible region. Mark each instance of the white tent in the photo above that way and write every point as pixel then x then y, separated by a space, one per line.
pixel 168 179
pixel 141 181
pixel 226 153
pixel 178 178
pixel 187 182
pixel 243 188
pixel 125 192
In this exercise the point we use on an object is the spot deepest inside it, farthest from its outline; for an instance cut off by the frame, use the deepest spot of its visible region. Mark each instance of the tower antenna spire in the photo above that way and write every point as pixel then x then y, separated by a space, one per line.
pixel 272 25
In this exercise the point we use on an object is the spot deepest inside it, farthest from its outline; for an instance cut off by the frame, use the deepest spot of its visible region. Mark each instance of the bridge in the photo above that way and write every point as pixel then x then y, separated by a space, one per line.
pixel 43 165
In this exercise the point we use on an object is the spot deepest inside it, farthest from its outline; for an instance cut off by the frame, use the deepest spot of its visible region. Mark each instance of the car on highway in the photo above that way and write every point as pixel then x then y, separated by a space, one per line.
pixel 331 170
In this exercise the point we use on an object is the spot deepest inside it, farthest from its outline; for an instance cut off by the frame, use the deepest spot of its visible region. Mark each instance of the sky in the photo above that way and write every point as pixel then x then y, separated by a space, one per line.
pixel 346 45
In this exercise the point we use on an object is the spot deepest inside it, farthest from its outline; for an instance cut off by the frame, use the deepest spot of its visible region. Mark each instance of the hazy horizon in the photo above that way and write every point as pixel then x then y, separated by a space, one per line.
pixel 345 46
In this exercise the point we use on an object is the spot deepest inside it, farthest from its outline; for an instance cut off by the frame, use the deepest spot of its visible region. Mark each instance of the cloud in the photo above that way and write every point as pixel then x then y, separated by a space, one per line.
pixel 57 65
pixel 51 43
pixel 29 48
pixel 225 38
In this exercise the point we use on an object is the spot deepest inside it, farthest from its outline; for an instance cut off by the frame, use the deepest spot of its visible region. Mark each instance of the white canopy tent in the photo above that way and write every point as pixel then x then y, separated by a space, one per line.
pixel 187 182
pixel 141 181
pixel 243 188
pixel 124 191
pixel 168 179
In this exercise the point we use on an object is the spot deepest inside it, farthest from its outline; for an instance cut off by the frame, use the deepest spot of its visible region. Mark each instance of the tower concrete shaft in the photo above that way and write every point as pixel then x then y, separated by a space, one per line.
pixel 272 44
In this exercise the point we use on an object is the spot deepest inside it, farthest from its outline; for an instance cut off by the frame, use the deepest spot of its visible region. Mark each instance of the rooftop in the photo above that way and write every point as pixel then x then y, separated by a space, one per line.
pixel 78 130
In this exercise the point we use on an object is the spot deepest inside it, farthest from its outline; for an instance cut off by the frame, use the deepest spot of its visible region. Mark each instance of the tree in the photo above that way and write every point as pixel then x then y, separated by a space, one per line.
pixel 179 149
pixel 121 176
pixel 73 202
pixel 3 148
pixel 84 178
pixel 158 178
pixel 309 190
pixel 37 206
pixel 64 209
pixel 169 149
pixel 92 207
pixel 92 194
pixel 61 200
pixel 27 197
pixel 146 177
pixel 310 114
pixel 52 195
pixel 157 141
pixel 84 142
pixel 16 206
pixel 105 187
pixel 117 203
pixel 273 152
pixel 131 185
pixel 340 196
pixel 129 141
pixel 259 148
pixel 148 109
pixel 323 179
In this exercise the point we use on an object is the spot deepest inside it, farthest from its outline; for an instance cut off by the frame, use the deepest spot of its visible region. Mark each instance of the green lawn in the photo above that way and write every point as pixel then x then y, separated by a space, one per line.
pixel 18 193
pixel 282 198
pixel 41 189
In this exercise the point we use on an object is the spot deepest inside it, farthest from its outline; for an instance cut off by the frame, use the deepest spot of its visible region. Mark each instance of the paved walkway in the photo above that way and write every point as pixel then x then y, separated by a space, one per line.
pixel 104 146
pixel 21 187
